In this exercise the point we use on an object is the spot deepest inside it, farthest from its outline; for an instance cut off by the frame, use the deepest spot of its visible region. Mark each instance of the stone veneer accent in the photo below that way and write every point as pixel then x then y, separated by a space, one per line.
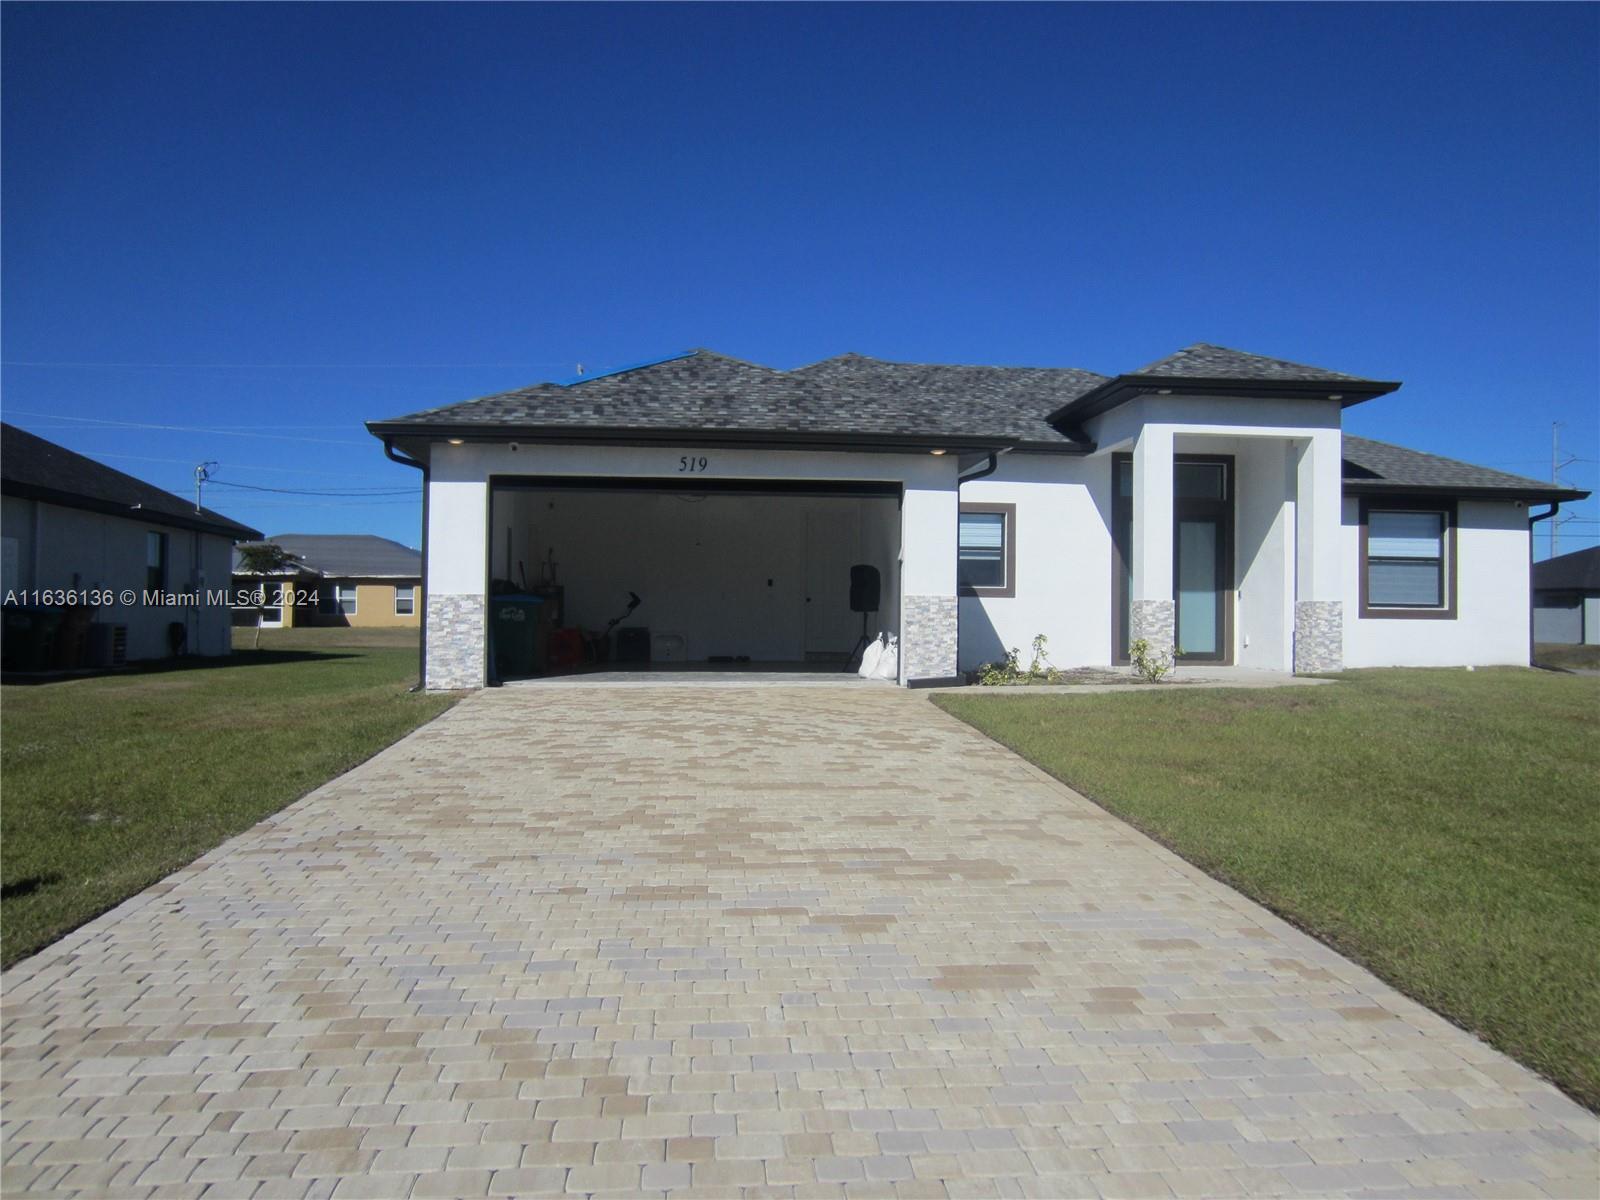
pixel 1157 622
pixel 1318 636
pixel 458 642
pixel 928 639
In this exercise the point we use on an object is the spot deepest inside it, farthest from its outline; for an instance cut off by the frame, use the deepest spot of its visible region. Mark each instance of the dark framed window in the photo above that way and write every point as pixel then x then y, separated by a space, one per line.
pixel 1408 550
pixel 986 550
pixel 155 562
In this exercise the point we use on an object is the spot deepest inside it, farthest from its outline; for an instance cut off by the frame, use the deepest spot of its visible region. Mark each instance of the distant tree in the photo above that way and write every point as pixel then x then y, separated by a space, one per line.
pixel 264 559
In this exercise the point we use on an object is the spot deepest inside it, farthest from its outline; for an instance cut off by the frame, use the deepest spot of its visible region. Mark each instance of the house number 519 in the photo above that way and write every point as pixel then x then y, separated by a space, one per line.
pixel 689 463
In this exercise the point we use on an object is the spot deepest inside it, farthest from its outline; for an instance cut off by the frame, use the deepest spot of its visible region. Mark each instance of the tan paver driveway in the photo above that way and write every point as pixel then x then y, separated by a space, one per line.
pixel 708 940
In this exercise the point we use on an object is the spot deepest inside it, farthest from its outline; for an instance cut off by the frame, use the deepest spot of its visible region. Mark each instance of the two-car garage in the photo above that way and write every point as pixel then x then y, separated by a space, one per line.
pixel 737 573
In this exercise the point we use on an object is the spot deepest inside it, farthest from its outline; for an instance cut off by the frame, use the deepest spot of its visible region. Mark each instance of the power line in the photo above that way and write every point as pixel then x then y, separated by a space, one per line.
pixel 234 466
pixel 121 366
pixel 348 492
pixel 213 431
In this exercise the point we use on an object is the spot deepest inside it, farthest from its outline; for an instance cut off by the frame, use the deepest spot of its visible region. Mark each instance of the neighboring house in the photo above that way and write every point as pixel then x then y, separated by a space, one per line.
pixel 1566 598
pixel 73 525
pixel 1209 500
pixel 352 579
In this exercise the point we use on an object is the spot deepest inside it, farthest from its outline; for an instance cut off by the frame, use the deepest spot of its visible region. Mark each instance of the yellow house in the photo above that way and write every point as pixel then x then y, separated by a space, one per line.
pixel 357 580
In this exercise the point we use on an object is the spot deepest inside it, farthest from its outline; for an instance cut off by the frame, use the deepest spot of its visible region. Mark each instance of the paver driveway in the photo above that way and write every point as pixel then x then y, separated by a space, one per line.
pixel 606 940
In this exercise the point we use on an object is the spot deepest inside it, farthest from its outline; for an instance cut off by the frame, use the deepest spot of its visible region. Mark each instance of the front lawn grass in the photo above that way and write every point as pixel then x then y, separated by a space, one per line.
pixel 1441 827
pixel 108 784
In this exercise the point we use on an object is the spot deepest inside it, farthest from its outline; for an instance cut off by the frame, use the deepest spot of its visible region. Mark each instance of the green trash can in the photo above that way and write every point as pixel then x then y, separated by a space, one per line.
pixel 514 628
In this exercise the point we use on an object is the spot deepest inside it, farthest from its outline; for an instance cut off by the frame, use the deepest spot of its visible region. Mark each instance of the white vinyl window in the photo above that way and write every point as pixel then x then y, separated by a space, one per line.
pixel 1405 559
pixel 347 599
pixel 405 600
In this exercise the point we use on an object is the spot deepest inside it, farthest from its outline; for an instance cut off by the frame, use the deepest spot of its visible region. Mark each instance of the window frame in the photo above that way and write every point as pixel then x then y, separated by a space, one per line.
pixel 1008 534
pixel 1447 568
pixel 155 573
pixel 338 599
pixel 411 599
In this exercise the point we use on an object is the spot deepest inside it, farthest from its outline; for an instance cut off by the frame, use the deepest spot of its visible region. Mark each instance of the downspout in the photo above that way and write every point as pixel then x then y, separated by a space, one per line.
pixel 986 470
pixel 422 641
pixel 1555 507
pixel 983 472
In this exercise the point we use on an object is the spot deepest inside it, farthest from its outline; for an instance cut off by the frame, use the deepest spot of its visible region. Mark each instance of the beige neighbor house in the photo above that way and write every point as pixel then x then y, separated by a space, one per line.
pixel 343 579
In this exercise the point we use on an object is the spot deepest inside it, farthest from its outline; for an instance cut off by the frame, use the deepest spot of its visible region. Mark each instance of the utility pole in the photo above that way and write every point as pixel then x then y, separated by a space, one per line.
pixel 202 473
pixel 1556 467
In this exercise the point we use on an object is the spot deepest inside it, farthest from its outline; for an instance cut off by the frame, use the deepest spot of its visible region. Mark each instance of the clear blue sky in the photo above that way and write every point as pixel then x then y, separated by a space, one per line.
pixel 279 221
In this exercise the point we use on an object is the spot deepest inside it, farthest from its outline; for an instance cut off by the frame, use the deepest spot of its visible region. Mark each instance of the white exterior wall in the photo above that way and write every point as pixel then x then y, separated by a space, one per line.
pixel 1063 584
pixel 1264 554
pixel 59 547
pixel 1492 597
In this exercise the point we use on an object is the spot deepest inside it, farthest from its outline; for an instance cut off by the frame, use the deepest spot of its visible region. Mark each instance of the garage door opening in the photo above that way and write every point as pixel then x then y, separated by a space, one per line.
pixel 731 575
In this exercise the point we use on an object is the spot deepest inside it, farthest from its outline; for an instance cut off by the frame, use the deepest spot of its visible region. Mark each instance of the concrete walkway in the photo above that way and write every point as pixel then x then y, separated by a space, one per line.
pixel 711 941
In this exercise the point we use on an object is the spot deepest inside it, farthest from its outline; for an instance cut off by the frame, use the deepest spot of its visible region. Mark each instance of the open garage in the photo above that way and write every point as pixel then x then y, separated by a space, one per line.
pixel 731 573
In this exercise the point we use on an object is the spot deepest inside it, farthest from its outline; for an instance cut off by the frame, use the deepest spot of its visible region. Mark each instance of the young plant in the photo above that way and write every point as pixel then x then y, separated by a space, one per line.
pixel 1150 666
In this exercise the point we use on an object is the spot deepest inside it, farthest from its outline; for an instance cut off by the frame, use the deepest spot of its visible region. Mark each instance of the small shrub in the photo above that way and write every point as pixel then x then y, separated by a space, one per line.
pixel 1147 664
pixel 1009 671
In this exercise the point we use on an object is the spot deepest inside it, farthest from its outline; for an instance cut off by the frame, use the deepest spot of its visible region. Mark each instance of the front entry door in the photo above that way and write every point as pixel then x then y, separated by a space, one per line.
pixel 1202 552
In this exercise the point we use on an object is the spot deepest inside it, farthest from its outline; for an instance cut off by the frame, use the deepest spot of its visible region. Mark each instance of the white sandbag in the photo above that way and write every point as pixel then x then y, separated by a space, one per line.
pixel 888 665
pixel 869 658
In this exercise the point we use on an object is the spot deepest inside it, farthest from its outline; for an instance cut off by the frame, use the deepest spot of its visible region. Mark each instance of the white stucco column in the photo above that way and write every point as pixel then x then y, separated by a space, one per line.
pixel 1319 584
pixel 1152 612
pixel 458 538
pixel 929 519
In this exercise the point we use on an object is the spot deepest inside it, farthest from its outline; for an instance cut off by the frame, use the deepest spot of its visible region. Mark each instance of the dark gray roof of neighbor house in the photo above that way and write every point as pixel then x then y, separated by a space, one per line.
pixel 36 469
pixel 1371 466
pixel 350 555
pixel 1205 361
pixel 1575 572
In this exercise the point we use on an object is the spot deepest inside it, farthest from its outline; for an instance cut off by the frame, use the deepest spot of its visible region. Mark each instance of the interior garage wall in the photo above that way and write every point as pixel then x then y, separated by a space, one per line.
pixel 727 573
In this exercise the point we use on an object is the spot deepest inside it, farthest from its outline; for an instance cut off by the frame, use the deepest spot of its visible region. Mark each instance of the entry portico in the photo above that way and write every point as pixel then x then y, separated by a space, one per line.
pixel 1208 505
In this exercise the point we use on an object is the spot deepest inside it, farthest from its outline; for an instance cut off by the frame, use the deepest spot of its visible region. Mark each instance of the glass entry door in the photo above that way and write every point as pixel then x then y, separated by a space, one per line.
pixel 1202 553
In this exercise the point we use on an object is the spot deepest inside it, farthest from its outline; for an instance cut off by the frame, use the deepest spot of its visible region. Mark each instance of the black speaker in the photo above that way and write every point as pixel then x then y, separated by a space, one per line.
pixel 864 588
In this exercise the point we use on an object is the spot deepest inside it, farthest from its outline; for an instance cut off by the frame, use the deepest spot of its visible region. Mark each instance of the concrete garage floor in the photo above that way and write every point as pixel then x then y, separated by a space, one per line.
pixel 692 941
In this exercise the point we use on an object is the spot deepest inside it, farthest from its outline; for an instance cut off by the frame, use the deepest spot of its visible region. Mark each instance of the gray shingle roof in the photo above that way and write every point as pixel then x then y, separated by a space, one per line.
pixel 32 467
pixel 1205 361
pixel 1575 572
pixel 351 555
pixel 1380 466
pixel 850 395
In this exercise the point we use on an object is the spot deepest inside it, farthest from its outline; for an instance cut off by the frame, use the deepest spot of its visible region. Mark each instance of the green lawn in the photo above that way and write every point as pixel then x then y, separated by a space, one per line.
pixel 110 783
pixel 1442 827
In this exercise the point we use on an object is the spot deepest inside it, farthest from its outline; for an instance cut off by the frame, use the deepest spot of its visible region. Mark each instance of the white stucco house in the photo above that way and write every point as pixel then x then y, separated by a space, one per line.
pixel 1209 501
pixel 98 568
